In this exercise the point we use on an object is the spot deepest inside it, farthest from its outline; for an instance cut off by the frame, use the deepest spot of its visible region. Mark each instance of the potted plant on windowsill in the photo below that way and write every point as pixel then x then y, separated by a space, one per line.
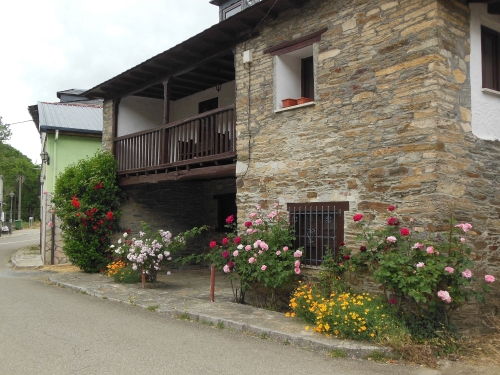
pixel 303 100
pixel 289 102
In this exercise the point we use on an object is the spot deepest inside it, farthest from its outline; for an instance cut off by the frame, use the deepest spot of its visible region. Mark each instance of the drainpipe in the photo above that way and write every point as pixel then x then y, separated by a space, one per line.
pixel 53 229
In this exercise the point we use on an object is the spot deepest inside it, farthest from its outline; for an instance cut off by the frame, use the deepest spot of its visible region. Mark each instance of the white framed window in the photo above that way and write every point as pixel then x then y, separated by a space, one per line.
pixel 231 10
pixel 294 64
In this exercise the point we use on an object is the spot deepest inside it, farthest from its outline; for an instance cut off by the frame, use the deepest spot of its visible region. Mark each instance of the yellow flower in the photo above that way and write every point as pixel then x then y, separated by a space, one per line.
pixel 307 328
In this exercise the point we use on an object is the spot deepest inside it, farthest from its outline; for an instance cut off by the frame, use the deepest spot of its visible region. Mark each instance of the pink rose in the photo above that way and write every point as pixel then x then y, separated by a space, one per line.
pixel 390 208
pixel 226 269
pixel 263 268
pixel 449 269
pixel 237 240
pixel 297 263
pixel 418 245
pixel 420 265
pixel 235 253
pixel 248 224
pixel 430 250
pixel 225 241
pixel 285 249
pixel 391 239
pixel 248 247
pixel 230 219
pixel 258 222
pixel 392 301
pixel 252 215
pixel 297 270
pixel 467 273
pixel 489 278
pixel 249 231
pixel 357 217
pixel 278 253
pixel 251 260
pixel 225 254
pixel 276 204
pixel 297 254
pixel 462 240
pixel 213 244
pixel 465 227
pixel 258 207
pixel 444 295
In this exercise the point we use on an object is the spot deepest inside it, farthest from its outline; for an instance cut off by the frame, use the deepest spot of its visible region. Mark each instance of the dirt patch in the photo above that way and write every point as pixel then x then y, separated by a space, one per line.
pixel 62 268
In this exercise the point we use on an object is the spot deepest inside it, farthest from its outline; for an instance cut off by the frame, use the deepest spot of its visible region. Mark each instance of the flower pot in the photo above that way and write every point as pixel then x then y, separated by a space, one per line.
pixel 289 102
pixel 304 100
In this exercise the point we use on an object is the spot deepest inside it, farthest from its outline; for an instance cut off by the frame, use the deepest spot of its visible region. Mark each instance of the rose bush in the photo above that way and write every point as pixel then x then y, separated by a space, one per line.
pixel 425 274
pixel 259 255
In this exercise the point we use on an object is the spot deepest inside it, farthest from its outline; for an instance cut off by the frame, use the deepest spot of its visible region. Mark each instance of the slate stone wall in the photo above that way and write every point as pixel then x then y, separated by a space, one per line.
pixel 390 125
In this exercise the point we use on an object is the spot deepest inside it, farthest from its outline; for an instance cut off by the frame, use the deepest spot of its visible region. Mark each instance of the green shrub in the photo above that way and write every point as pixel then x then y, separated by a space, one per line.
pixel 87 201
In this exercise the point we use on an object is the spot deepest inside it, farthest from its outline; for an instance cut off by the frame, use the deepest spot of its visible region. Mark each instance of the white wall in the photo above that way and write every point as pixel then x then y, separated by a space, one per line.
pixel 136 114
pixel 485 105
pixel 288 71
pixel 188 106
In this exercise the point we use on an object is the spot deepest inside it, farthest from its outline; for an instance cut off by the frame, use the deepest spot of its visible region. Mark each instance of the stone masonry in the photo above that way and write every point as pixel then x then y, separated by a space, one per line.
pixel 390 124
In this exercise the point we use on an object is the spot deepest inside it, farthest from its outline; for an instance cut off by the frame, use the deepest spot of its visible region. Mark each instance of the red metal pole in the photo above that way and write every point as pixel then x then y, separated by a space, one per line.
pixel 212 283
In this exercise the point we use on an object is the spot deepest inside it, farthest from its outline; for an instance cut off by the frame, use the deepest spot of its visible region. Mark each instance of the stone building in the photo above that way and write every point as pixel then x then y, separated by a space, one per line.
pixel 401 106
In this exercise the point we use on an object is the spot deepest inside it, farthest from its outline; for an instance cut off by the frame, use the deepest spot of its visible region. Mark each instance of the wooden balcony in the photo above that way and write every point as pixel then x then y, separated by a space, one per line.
pixel 199 147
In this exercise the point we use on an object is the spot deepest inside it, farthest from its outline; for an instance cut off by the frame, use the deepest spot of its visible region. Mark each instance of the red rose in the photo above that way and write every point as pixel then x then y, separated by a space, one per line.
pixel 405 232
pixel 225 254
pixel 128 231
pixel 346 257
pixel 78 214
pixel 392 301
pixel 237 240
pixel 230 264
pixel 109 216
pixel 362 249
pixel 230 219
pixel 390 208
pixel 213 244
pixel 342 244
pixel 225 241
pixel 248 224
pixel 98 186
pixel 75 202
pixel 95 227
pixel 358 217
pixel 393 221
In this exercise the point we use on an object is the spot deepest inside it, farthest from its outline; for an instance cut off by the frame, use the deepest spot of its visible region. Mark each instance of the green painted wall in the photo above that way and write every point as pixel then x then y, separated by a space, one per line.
pixel 66 150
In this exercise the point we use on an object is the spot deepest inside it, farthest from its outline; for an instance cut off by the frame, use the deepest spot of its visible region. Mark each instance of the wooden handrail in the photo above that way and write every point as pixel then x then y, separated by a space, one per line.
pixel 208 136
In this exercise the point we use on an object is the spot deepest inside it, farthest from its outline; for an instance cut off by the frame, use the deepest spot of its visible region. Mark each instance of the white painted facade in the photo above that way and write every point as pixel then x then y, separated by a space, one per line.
pixel 188 106
pixel 485 104
pixel 136 113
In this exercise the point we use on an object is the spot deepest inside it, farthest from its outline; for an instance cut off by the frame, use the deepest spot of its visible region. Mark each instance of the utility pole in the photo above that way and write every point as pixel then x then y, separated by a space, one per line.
pixel 20 178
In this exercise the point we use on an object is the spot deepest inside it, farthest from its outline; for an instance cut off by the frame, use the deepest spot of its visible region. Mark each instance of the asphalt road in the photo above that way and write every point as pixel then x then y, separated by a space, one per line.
pixel 50 330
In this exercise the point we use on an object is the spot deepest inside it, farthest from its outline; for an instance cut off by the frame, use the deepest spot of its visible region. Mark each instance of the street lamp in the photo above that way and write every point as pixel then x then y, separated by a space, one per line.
pixel 11 195
pixel 45 157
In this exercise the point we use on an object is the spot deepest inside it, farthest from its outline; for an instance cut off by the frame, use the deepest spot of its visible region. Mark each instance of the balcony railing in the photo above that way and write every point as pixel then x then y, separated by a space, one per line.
pixel 196 141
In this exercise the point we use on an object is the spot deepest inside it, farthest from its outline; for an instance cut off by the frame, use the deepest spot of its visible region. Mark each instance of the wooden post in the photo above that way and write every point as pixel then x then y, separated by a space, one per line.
pixel 212 283
pixel 166 100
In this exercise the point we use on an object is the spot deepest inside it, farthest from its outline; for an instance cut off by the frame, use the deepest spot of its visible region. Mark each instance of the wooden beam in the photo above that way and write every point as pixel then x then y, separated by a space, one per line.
pixel 205 173
pixel 187 68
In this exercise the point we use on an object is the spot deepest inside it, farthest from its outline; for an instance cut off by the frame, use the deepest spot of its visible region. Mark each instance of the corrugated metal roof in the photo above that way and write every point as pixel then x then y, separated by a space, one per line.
pixel 81 118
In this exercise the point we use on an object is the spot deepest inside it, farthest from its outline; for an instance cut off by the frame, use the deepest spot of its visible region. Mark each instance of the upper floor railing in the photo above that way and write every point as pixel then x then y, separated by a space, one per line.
pixel 207 137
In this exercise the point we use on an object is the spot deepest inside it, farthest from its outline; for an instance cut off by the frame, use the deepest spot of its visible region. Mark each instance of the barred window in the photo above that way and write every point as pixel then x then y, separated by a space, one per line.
pixel 319 227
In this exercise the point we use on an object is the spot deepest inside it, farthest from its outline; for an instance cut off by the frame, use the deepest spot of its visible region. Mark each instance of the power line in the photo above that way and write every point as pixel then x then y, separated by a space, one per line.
pixel 20 122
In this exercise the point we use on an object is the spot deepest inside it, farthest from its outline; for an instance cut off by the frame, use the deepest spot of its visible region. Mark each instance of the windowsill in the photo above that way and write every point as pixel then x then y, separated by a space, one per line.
pixel 295 107
pixel 491 92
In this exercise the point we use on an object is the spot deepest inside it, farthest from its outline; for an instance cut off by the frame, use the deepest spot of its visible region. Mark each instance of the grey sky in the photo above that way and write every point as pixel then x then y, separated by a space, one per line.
pixel 53 45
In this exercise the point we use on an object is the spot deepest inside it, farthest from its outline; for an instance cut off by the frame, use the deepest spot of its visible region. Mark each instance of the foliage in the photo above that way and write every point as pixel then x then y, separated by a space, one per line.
pixel 426 275
pixel 152 250
pixel 122 272
pixel 87 201
pixel 334 267
pixel 5 132
pixel 345 315
pixel 259 256
pixel 12 164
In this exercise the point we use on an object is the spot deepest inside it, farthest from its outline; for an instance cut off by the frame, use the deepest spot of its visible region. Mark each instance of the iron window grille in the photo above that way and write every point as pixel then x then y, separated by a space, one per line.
pixel 319 227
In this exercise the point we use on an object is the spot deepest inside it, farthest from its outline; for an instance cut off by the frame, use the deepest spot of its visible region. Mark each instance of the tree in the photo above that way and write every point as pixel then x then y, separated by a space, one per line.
pixel 12 164
pixel 5 132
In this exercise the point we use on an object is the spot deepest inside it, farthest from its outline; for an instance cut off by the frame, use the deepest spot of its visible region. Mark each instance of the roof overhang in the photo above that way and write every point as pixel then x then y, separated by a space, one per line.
pixel 493 5
pixel 196 64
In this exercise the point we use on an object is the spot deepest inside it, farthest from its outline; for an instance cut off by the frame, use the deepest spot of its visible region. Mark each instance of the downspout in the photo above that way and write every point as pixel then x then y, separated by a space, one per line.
pixel 53 229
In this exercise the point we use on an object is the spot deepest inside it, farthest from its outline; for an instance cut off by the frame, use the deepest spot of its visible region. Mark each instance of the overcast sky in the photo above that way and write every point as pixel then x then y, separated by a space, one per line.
pixel 53 45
